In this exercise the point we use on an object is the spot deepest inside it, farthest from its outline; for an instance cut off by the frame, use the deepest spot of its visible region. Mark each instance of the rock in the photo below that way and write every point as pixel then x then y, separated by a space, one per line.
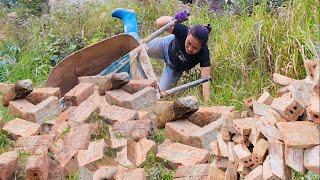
pixel 22 88
pixel 179 109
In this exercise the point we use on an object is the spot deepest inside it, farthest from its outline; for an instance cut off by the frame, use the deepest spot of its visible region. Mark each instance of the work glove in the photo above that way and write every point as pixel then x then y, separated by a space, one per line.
pixel 182 15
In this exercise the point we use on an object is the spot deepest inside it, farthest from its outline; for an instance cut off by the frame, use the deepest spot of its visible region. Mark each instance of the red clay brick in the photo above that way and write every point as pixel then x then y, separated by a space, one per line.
pixel 301 92
pixel 22 128
pixel 116 81
pixel 134 129
pixel 122 158
pixel 281 79
pixel 288 108
pixel 199 172
pixel 243 154
pixel 265 98
pixel 134 101
pixel 67 145
pixel 45 110
pixel 136 85
pixel 223 146
pixel 114 114
pixel 312 159
pixel 138 174
pixel 78 94
pixel 269 131
pixel 95 152
pixel 316 81
pixel 314 109
pixel 116 140
pixel 265 110
pixel 180 131
pixel 68 161
pixel 244 126
pixel 294 159
pixel 203 137
pixel 98 99
pixel 34 144
pixel 137 151
pixel 8 164
pixel 141 99
pixel 37 167
pixel 84 112
pixel 144 115
pixel 255 174
pixel 6 93
pixel 116 97
pixel 156 108
pixel 299 134
pixel 19 108
pixel 40 94
pixel 248 102
pixel 55 170
pixel 206 115
pixel 104 168
pixel 179 109
pixel 39 113
pixel 96 80
pixel 214 147
pixel 259 152
pixel 179 154
pixel 75 138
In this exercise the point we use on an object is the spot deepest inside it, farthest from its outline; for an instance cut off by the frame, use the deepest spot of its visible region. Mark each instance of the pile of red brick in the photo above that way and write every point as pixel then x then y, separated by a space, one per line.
pixel 273 136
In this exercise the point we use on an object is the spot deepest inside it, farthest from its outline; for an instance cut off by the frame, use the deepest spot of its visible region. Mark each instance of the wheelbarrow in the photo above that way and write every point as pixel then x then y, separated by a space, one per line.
pixel 119 53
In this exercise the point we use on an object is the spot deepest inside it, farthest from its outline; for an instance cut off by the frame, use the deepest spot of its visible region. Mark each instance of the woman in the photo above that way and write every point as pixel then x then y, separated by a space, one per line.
pixel 181 51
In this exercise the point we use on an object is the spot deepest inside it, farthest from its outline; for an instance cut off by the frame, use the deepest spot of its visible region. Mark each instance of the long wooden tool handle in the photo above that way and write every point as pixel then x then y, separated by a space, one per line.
pixel 186 86
pixel 158 32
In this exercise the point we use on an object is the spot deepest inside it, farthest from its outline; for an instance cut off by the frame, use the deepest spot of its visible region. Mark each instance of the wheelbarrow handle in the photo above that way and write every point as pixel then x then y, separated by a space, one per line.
pixel 158 32
pixel 186 86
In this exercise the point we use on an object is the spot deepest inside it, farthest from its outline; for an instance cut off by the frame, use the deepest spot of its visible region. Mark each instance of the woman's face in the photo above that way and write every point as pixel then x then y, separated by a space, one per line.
pixel 192 44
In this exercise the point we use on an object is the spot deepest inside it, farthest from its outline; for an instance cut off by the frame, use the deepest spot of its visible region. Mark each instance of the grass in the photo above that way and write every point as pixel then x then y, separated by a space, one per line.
pixel 158 136
pixel 20 173
pixel 74 176
pixel 6 143
pixel 103 133
pixel 156 169
pixel 307 176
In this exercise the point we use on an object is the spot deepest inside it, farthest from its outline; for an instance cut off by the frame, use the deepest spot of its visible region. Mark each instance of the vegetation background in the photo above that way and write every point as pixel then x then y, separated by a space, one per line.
pixel 246 47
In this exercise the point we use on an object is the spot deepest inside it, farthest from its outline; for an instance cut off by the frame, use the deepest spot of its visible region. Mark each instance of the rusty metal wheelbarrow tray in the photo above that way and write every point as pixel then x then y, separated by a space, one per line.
pixel 90 61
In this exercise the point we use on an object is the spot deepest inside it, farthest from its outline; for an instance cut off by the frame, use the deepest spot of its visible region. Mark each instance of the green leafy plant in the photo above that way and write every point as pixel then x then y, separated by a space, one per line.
pixel 157 169
pixel 158 136
pixel 6 143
